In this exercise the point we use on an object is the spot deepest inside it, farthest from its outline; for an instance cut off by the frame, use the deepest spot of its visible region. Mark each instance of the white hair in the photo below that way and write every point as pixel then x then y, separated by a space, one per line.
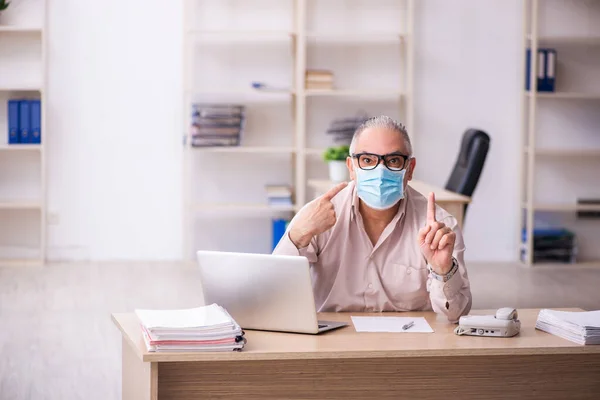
pixel 382 121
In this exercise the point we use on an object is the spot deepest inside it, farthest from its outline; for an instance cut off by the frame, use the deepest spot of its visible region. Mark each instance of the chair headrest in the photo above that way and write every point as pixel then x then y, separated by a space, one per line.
pixel 471 137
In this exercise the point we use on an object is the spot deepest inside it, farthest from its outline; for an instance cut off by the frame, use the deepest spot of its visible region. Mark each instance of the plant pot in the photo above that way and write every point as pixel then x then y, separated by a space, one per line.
pixel 338 172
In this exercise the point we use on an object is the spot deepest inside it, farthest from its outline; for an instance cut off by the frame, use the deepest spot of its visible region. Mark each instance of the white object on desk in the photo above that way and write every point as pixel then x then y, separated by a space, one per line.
pixel 579 327
pixel 391 324
pixel 505 323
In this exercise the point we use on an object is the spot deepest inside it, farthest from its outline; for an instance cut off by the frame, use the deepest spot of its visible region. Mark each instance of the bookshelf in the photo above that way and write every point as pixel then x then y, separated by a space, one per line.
pixel 369 49
pixel 560 151
pixel 23 50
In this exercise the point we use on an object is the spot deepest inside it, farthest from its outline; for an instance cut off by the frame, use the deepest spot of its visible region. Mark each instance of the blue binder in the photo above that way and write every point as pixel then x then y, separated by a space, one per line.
pixel 550 70
pixel 13 122
pixel 24 123
pixel 540 73
pixel 279 228
pixel 35 120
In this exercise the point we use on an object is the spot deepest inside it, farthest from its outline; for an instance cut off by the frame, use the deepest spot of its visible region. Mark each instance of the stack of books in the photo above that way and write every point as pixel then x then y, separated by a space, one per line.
pixel 343 129
pixel 319 80
pixel 552 245
pixel 217 124
pixel 208 328
pixel 279 195
pixel 581 327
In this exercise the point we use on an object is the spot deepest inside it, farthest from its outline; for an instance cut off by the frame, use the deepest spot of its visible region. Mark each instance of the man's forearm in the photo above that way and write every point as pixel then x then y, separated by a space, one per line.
pixel 452 298
pixel 300 239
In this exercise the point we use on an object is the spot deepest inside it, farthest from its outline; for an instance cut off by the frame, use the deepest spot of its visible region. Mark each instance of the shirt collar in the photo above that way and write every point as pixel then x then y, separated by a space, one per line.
pixel 355 203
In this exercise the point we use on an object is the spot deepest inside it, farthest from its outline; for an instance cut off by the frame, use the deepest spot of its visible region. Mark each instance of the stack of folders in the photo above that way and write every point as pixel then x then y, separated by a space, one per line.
pixel 343 129
pixel 552 245
pixel 546 70
pixel 279 195
pixel 319 79
pixel 24 121
pixel 217 124
pixel 581 327
pixel 208 328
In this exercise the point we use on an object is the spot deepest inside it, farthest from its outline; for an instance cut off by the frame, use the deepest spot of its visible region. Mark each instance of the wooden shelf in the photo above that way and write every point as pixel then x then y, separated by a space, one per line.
pixel 565 152
pixel 243 207
pixel 242 35
pixel 20 29
pixel 242 92
pixel 25 262
pixel 566 95
pixel 353 93
pixel 21 147
pixel 244 149
pixel 357 37
pixel 314 151
pixel 20 89
pixel 575 40
pixel 568 207
pixel 19 205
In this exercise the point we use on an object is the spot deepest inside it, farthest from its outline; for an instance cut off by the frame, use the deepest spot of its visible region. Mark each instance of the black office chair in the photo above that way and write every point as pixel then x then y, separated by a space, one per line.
pixel 469 163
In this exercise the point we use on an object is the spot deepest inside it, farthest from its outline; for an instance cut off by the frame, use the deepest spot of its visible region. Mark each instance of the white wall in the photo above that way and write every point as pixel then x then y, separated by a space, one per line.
pixel 114 148
pixel 468 74
pixel 114 137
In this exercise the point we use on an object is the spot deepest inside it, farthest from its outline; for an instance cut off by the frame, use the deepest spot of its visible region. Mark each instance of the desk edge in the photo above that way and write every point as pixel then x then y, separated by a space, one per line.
pixel 129 340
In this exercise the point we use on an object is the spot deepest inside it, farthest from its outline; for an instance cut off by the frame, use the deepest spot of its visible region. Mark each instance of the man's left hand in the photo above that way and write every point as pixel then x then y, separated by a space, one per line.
pixel 436 241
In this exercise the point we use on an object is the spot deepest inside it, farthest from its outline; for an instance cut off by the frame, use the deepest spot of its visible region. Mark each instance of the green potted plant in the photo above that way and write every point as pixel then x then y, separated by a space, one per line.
pixel 336 159
pixel 4 5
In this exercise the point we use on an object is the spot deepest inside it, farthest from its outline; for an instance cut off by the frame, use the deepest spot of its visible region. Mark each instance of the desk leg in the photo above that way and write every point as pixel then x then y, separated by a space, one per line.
pixel 139 379
pixel 457 210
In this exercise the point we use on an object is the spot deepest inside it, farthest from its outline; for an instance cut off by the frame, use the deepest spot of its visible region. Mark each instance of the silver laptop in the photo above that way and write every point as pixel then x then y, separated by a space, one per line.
pixel 262 291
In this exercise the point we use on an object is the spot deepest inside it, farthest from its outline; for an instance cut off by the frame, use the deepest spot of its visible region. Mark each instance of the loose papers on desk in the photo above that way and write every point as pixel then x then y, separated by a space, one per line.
pixel 581 327
pixel 390 324
pixel 208 328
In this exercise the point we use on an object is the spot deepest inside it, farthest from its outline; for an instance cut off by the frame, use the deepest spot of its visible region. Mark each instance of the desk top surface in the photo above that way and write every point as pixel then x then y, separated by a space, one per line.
pixel 347 343
pixel 441 194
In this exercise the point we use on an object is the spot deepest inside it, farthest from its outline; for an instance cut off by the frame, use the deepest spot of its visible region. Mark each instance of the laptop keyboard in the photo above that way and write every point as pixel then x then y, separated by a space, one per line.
pixel 323 326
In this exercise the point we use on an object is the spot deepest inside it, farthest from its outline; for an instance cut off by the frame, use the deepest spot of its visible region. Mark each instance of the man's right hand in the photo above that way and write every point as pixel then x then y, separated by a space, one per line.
pixel 317 217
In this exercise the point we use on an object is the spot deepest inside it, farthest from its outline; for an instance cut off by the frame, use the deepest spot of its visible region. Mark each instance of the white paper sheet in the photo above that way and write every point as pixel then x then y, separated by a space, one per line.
pixel 391 324
pixel 211 316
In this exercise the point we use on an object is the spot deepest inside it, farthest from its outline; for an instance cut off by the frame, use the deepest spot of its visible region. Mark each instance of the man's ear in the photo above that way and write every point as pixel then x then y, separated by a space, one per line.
pixel 410 170
pixel 350 168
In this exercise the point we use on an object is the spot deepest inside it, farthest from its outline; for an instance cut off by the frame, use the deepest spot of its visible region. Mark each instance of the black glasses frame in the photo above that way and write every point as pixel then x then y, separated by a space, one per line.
pixel 383 157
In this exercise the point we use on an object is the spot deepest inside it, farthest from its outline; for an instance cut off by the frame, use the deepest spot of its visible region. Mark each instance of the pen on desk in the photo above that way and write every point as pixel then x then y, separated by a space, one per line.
pixel 408 326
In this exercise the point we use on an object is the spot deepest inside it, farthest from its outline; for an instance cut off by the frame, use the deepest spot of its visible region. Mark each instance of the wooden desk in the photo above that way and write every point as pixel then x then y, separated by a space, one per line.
pixel 452 202
pixel 344 364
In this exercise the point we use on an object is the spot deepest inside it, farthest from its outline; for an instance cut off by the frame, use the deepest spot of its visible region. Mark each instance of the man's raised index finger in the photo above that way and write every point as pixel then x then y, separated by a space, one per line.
pixel 334 190
pixel 431 207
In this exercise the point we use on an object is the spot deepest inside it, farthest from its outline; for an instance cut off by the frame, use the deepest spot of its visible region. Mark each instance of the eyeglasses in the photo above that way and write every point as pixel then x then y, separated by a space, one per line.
pixel 392 161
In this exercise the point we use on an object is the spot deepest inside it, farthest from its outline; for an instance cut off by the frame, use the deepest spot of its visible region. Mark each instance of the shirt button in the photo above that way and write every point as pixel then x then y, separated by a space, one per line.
pixel 408 271
pixel 370 286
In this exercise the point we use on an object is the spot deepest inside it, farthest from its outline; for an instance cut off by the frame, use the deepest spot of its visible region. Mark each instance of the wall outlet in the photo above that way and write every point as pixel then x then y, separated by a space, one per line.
pixel 53 218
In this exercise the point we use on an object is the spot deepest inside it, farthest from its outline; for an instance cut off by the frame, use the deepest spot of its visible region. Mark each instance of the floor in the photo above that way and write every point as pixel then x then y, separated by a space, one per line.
pixel 57 340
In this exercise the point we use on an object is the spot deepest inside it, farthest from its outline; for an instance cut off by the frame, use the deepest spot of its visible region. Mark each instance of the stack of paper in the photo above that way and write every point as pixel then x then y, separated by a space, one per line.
pixel 208 328
pixel 580 327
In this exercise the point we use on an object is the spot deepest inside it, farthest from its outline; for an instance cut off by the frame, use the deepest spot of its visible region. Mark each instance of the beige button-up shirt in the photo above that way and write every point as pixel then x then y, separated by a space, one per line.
pixel 350 274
